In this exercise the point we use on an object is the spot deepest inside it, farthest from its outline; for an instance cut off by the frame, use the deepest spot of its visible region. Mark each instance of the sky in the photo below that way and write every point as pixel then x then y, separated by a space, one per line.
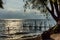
pixel 13 9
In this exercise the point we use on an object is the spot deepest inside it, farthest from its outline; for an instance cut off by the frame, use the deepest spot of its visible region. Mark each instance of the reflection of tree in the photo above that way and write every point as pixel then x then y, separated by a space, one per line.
pixel 30 28
pixel 35 27
pixel 40 27
pixel 45 26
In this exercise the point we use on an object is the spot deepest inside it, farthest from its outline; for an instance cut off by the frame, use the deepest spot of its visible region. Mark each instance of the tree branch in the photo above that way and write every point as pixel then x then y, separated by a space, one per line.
pixel 56 7
pixel 52 7
pixel 52 13
pixel 52 10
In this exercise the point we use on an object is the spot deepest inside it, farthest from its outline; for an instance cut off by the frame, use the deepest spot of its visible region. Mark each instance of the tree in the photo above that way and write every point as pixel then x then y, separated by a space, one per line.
pixel 54 10
pixel 1 4
pixel 38 4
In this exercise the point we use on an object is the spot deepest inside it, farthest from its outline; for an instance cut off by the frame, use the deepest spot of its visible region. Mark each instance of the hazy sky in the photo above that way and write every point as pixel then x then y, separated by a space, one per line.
pixel 14 9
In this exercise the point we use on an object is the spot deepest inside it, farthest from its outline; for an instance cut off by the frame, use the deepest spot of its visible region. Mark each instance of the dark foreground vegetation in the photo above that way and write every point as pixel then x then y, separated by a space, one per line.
pixel 51 34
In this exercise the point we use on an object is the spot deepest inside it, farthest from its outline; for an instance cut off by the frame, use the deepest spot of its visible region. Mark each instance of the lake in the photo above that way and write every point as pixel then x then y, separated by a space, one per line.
pixel 22 28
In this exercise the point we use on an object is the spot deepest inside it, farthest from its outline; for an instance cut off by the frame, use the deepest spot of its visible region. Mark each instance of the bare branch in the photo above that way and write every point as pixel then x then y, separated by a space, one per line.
pixel 52 13
pixel 52 10
pixel 56 7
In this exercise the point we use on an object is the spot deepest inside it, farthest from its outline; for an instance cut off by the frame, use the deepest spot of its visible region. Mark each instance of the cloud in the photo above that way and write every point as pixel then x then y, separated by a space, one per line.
pixel 13 9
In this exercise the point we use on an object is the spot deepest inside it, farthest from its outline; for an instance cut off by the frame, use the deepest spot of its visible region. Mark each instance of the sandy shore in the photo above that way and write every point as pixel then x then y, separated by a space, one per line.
pixel 53 36
pixel 36 38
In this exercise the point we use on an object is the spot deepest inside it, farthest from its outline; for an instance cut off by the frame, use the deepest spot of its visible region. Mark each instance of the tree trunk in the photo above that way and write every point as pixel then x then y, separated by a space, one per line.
pixel 59 12
pixel 59 5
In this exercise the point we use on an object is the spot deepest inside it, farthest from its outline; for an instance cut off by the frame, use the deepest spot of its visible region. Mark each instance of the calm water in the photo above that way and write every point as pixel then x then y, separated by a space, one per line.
pixel 8 28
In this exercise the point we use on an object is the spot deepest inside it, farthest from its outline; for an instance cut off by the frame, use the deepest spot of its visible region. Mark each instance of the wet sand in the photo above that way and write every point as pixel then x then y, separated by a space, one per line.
pixel 37 38
pixel 53 36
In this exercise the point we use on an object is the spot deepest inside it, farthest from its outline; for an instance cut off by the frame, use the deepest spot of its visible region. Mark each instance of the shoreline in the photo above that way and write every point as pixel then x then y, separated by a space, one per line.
pixel 22 37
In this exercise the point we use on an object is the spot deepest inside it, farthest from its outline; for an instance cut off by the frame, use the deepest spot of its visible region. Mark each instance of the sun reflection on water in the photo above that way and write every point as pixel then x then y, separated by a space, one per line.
pixel 12 26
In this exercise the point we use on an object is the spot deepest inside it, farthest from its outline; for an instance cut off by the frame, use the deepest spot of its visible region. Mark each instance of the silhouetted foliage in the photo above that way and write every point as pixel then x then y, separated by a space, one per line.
pixel 42 6
pixel 1 4
pixel 53 8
